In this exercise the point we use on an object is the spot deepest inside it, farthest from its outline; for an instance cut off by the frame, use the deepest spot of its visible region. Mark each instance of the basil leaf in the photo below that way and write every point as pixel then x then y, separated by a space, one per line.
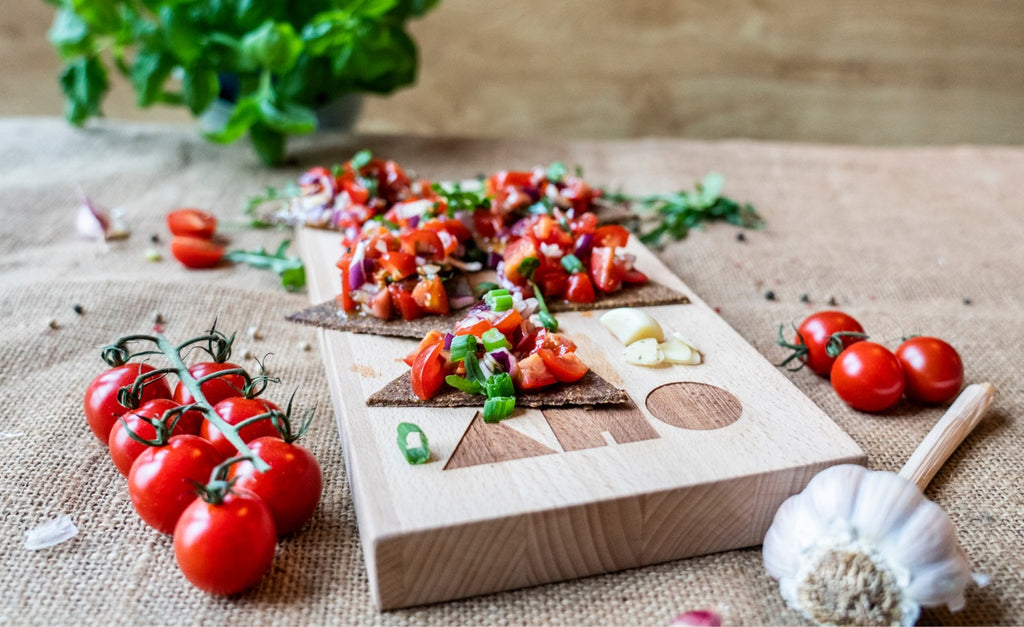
pixel 148 74
pixel 290 118
pixel 84 82
pixel 198 89
pixel 268 143
pixel 69 33
pixel 245 113
pixel 181 33
pixel 274 46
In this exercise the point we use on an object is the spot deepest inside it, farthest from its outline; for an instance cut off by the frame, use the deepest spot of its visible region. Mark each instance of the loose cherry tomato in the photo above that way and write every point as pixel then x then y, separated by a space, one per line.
pixel 233 411
pixel 101 407
pixel 431 296
pixel 868 377
pixel 611 236
pixel 192 223
pixel 292 486
pixel 932 369
pixel 812 337
pixel 566 368
pixel 428 372
pixel 225 548
pixel 161 482
pixel 194 252
pixel 215 390
pixel 124 449
pixel 533 374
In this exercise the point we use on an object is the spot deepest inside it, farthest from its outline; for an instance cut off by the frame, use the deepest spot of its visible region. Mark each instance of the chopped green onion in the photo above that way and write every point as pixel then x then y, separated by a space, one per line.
pixel 500 385
pixel 497 291
pixel 470 387
pixel 481 289
pixel 498 408
pixel 499 303
pixel 493 339
pixel 572 264
pixel 413 443
pixel 462 345
pixel 473 370
pixel 546 319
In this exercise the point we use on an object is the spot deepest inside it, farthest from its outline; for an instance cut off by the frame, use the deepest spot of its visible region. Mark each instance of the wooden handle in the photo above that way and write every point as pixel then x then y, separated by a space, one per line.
pixel 960 419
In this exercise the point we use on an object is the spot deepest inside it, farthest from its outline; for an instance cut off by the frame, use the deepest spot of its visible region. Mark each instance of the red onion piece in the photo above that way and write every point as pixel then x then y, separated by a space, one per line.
pixel 583 246
pixel 448 337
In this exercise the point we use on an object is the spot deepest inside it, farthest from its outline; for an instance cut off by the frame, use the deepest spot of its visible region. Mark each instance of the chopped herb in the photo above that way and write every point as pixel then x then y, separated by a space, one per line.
pixel 462 345
pixel 465 385
pixel 498 300
pixel 497 408
pixel 494 339
pixel 413 443
pixel 361 158
pixel 290 269
pixel 459 199
pixel 572 264
pixel 544 206
pixel 473 371
pixel 556 172
pixel 546 319
pixel 527 267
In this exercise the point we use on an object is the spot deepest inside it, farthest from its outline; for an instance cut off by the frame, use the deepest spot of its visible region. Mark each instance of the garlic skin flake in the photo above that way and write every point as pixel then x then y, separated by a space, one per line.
pixel 865 547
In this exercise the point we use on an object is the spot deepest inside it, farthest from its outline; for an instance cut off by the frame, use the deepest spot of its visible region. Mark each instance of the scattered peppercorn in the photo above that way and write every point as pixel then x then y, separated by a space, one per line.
pixel 78 309
pixel 832 302
pixel 740 237
pixel 155 238
pixel 967 301
pixel 769 295
pixel 804 298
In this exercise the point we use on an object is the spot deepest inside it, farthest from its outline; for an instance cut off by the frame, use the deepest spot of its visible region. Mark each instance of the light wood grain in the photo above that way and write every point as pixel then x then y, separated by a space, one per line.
pixel 854 72
pixel 561 493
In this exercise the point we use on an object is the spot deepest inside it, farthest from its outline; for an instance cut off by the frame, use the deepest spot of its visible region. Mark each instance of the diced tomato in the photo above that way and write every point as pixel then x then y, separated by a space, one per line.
pixel 566 368
pixel 552 279
pixel 380 305
pixel 603 270
pixel 509 322
pixel 579 193
pixel 432 337
pixel 345 297
pixel 381 243
pixel 634 277
pixel 473 327
pixel 398 264
pixel 528 343
pixel 431 296
pixel 428 372
pixel 554 342
pixel 533 374
pixel 402 300
pixel 515 253
pixel 504 178
pixel 584 223
pixel 423 242
pixel 579 289
pixel 611 236
pixel 487 224
pixel 453 227
pixel 354 187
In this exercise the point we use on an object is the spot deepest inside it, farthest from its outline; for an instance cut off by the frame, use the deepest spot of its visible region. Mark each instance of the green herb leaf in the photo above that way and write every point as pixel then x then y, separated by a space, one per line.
pixel 274 47
pixel 84 82
pixel 149 73
pixel 290 269
pixel 199 87
pixel 413 443
pixel 360 159
pixel 69 33
pixel 467 386
pixel 556 172
pixel 498 408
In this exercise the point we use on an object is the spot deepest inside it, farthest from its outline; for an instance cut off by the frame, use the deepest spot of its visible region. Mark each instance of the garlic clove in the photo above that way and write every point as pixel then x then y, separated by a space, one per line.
pixel 834 504
pixel 884 502
pixel 942 583
pixel 925 537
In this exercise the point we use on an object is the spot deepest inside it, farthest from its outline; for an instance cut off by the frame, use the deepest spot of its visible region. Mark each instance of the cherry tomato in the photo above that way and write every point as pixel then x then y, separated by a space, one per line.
pixel 161 482
pixel 225 548
pixel 428 372
pixel 431 296
pixel 192 223
pixel 292 486
pixel 566 368
pixel 611 236
pixel 101 407
pixel 124 449
pixel 432 337
pixel 579 288
pixel 868 377
pixel 233 411
pixel 533 373
pixel 813 334
pixel 932 369
pixel 215 390
pixel 195 252
pixel 603 270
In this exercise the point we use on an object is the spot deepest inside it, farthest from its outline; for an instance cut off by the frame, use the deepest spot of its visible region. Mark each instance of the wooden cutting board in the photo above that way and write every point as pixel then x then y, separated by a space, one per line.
pixel 699 464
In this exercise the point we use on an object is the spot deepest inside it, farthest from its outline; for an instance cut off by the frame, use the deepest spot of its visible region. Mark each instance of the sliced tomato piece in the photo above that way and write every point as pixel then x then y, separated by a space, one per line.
pixel 397 264
pixel 515 253
pixel 603 269
pixel 611 236
pixel 381 243
pixel 453 227
pixel 473 327
pixel 509 322
pixel 380 305
pixel 432 337
pixel 487 224
pixel 192 223
pixel 428 372
pixel 533 374
pixel 566 368
pixel 423 242
pixel 579 288
pixel 345 297
pixel 403 302
pixel 634 277
pixel 552 280
pixel 584 223
pixel 194 252
pixel 431 296
pixel 555 342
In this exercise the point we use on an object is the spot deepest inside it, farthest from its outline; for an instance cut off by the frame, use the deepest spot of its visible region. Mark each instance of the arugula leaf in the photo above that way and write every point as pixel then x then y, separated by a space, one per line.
pixel 290 269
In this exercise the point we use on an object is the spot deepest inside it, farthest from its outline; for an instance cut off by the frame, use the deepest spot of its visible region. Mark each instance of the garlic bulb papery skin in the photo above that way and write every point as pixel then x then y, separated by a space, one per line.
pixel 864 547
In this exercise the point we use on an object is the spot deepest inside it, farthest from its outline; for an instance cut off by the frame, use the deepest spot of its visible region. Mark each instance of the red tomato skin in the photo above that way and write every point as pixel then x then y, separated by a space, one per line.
pixel 225 548
pixel 192 223
pixel 814 333
pixel 579 289
pixel 428 372
pixel 611 236
pixel 233 411
pixel 123 449
pixel 215 390
pixel 533 373
pixel 868 377
pixel 291 488
pixel 100 405
pixel 195 252
pixel 932 369
pixel 161 482
pixel 567 368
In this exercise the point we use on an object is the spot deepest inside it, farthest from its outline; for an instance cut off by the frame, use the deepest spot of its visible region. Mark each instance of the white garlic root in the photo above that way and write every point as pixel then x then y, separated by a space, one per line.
pixel 866 547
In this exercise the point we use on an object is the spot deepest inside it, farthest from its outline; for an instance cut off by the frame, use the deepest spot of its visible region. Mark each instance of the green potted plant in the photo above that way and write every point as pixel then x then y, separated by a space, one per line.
pixel 269 65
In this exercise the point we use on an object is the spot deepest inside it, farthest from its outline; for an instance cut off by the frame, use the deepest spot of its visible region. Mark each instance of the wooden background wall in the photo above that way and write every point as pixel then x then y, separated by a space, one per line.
pixel 870 71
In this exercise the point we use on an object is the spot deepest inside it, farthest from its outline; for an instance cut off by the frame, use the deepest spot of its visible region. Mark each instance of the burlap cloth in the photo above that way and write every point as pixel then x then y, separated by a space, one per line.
pixel 916 240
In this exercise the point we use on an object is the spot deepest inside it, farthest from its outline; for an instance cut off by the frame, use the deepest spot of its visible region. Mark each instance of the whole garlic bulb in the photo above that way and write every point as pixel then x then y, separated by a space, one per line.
pixel 865 547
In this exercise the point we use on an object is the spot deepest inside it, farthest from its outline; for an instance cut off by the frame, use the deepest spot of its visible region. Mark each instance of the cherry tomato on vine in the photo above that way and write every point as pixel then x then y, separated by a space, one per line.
pixel 162 481
pixel 192 223
pixel 292 486
pixel 195 252
pixel 225 548
pixel 812 337
pixel 101 407
pixel 932 369
pixel 215 390
pixel 233 411
pixel 868 377
pixel 124 449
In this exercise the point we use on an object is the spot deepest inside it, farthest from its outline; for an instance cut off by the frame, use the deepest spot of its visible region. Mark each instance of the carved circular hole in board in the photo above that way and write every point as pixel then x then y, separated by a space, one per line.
pixel 691 405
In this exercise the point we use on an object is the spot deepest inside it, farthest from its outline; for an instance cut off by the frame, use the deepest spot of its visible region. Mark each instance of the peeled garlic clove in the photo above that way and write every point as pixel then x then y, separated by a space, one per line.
pixel 645 352
pixel 630 325
pixel 678 351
